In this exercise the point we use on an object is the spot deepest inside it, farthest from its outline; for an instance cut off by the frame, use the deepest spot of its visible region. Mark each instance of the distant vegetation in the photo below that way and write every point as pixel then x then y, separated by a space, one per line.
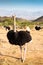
pixel 20 22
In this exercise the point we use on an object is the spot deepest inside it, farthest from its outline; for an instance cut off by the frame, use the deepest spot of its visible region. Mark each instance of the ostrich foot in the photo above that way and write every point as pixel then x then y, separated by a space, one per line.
pixel 22 60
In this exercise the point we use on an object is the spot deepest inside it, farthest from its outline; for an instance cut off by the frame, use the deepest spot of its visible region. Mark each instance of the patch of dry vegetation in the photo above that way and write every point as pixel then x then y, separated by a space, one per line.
pixel 10 55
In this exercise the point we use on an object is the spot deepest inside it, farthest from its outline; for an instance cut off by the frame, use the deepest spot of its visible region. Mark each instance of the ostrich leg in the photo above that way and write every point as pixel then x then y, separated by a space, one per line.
pixel 25 49
pixel 21 53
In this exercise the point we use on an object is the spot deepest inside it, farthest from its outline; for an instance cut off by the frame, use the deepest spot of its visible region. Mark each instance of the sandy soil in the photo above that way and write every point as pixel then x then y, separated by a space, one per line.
pixel 10 55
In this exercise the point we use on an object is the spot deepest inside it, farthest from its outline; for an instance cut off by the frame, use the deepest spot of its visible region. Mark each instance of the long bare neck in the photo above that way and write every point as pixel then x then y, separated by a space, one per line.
pixel 14 25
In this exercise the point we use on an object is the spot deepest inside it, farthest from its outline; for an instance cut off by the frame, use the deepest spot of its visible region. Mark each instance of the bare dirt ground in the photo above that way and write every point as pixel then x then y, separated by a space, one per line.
pixel 10 55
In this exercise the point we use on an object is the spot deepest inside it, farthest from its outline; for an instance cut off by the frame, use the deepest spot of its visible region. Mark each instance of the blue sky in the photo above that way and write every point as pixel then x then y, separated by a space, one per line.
pixel 29 9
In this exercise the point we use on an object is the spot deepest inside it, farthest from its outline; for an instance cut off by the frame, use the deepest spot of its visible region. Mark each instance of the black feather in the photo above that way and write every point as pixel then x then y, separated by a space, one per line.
pixel 37 27
pixel 19 37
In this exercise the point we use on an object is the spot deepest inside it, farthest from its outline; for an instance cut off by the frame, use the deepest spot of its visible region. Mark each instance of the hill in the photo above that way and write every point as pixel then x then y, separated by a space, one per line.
pixel 5 18
pixel 40 19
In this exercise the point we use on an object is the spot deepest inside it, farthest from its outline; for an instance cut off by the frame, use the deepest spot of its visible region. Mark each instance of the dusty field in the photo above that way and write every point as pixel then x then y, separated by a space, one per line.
pixel 10 55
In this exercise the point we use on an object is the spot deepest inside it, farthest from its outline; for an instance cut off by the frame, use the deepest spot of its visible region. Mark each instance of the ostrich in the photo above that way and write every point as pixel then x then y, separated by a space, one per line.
pixel 38 27
pixel 7 27
pixel 19 38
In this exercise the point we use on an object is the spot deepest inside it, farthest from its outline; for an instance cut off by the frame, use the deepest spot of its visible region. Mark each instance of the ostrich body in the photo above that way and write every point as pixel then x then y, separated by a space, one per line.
pixel 19 38
pixel 7 27
pixel 37 27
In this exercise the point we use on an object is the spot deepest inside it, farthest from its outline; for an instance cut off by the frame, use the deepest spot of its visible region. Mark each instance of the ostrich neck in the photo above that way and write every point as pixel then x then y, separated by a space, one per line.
pixel 14 26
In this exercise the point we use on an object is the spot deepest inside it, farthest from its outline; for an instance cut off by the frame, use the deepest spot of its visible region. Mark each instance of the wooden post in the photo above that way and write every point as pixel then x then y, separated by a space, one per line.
pixel 14 25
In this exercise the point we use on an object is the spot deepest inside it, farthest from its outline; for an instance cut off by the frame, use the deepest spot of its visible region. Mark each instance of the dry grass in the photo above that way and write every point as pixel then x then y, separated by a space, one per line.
pixel 10 55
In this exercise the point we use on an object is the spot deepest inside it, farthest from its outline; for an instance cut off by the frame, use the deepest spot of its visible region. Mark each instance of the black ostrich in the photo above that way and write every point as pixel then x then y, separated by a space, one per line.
pixel 7 27
pixel 19 38
pixel 38 27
